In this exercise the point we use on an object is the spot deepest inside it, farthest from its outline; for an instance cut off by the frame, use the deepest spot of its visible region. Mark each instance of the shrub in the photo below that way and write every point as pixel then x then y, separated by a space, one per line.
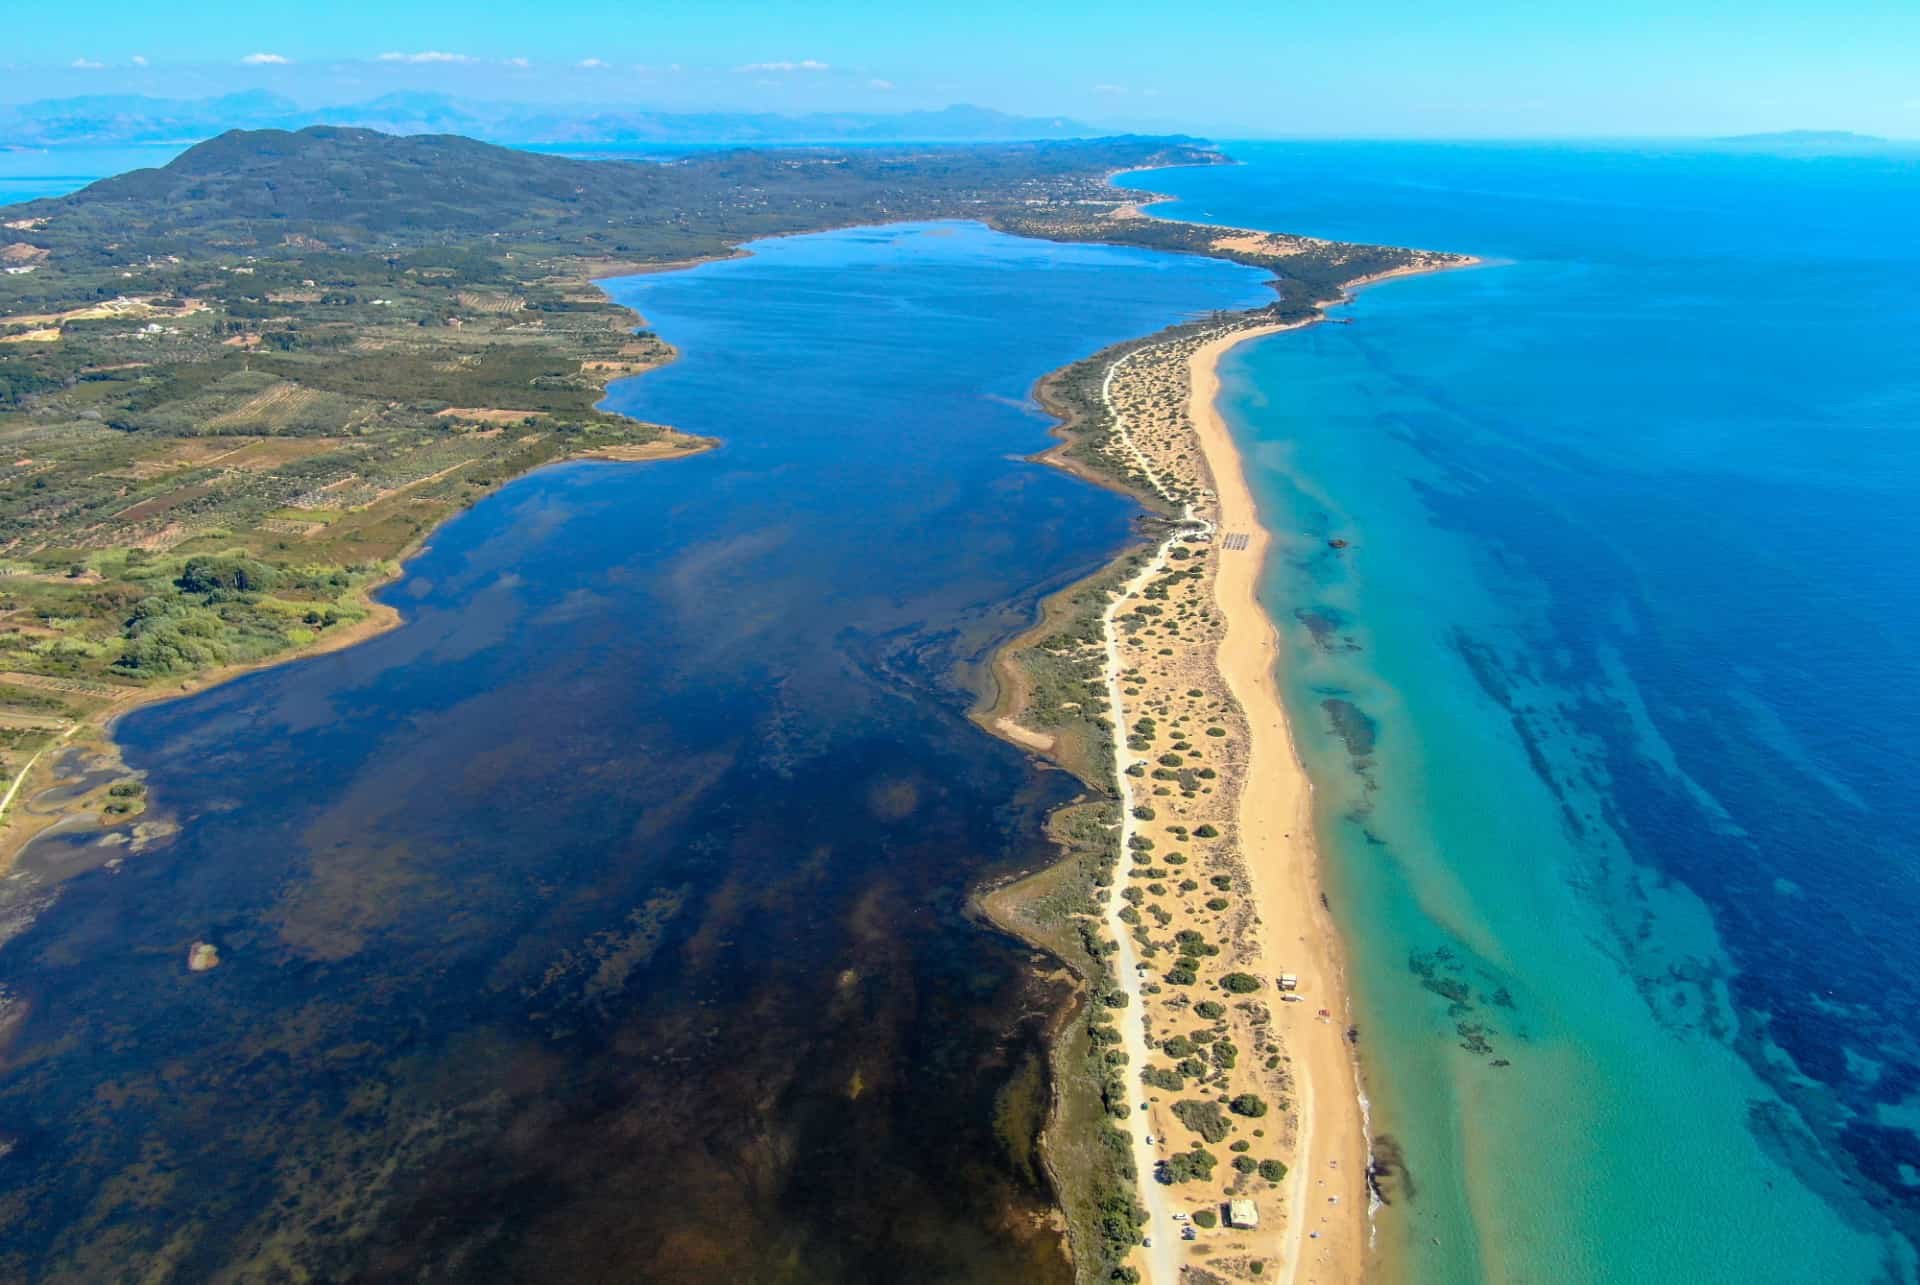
pixel 1162 1078
pixel 1251 1105
pixel 1206 832
pixel 1205 1218
pixel 1186 1167
pixel 1210 1010
pixel 241 575
pixel 1241 983
pixel 1272 1170
pixel 1205 1119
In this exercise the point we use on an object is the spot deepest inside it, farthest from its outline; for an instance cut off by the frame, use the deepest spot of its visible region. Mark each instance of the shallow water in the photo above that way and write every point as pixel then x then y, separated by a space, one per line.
pixel 609 919
pixel 1621 826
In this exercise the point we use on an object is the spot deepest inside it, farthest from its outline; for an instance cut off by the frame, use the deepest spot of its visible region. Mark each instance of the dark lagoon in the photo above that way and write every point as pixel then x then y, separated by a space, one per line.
pixel 609 920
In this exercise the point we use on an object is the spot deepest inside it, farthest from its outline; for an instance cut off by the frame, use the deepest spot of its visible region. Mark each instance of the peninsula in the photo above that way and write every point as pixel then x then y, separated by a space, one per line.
pixel 237 390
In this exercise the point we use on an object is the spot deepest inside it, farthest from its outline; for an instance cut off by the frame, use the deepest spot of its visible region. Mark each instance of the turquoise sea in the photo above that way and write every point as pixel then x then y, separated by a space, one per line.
pixel 1612 703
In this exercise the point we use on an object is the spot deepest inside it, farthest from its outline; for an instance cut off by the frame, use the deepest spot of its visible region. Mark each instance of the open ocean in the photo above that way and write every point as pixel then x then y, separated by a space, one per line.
pixel 1613 702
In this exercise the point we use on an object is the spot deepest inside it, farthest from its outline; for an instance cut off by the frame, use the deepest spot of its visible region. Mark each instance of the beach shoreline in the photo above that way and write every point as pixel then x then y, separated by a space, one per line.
pixel 1324 1229
pixel 1283 864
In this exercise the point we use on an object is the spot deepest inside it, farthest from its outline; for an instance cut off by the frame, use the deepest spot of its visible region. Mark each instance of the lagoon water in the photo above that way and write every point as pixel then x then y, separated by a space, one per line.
pixel 1613 701
pixel 608 920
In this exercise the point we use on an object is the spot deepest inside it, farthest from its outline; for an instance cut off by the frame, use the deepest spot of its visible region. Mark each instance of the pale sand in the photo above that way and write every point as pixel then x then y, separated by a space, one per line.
pixel 1297 935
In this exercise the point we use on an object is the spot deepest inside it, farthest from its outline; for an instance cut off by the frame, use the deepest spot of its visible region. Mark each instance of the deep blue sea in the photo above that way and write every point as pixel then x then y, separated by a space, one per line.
pixel 1624 842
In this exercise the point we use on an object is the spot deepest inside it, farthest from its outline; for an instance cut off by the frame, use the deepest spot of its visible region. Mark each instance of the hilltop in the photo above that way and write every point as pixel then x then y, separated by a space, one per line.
pixel 259 190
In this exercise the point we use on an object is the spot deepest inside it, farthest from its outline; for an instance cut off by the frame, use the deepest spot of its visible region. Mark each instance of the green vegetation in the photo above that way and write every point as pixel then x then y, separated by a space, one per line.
pixel 1240 983
pixel 1204 1118
pixel 1161 1078
pixel 1187 1166
pixel 1272 1170
pixel 1205 1219
pixel 1251 1105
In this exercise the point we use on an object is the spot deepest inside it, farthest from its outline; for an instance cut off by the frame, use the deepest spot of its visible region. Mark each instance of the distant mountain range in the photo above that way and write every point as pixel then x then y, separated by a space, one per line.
pixel 1814 142
pixel 106 119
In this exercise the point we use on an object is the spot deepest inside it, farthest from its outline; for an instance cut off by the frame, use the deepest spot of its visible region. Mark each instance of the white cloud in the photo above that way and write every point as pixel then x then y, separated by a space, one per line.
pixel 879 84
pixel 139 60
pixel 520 64
pixel 427 55
pixel 590 64
pixel 266 60
pixel 1109 89
pixel 87 64
pixel 805 64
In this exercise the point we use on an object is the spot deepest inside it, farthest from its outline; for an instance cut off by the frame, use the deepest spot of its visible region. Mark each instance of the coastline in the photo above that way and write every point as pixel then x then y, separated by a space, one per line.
pixel 1283 864
pixel 1327 1232
pixel 19 826
pixel 1276 869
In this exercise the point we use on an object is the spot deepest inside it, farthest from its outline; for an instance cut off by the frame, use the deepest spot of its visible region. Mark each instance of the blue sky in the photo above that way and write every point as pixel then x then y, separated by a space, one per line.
pixel 1385 68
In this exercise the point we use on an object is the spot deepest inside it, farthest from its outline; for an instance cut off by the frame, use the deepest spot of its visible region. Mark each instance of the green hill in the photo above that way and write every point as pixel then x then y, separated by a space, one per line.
pixel 260 190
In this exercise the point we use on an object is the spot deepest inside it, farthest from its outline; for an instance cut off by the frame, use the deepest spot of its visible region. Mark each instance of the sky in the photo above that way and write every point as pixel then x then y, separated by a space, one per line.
pixel 1278 68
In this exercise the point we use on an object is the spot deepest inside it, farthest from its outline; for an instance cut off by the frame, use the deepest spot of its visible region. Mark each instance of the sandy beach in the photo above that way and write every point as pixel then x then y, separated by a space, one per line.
pixel 1326 1193
pixel 1242 1095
